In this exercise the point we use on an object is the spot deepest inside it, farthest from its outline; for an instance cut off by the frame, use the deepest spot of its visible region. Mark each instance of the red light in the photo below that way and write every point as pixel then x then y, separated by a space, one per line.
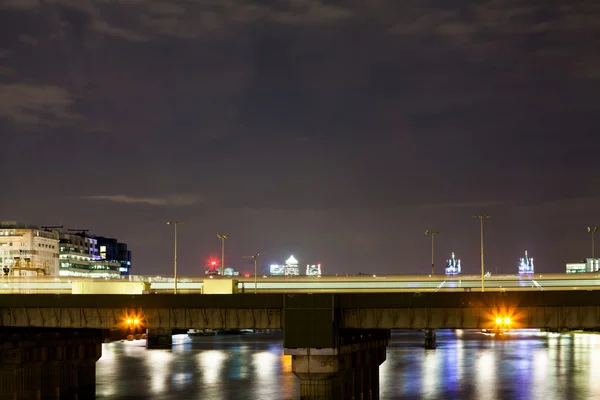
pixel 211 262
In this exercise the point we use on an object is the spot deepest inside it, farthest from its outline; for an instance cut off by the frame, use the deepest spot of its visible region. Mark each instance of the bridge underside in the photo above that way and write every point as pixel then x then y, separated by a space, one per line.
pixel 560 317
pixel 157 318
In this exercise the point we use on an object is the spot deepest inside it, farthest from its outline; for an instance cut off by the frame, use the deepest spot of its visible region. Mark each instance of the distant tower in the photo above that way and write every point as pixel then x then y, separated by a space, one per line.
pixel 453 265
pixel 291 267
pixel 526 265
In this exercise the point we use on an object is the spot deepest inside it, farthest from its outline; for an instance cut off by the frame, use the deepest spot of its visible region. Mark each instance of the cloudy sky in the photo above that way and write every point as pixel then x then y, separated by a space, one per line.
pixel 336 131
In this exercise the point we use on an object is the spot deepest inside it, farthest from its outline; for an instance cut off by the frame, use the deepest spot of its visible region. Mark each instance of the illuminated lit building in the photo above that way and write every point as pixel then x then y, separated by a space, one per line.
pixel 80 256
pixel 277 270
pixel 313 270
pixel 453 265
pixel 291 267
pixel 27 250
pixel 526 264
pixel 112 250
pixel 587 265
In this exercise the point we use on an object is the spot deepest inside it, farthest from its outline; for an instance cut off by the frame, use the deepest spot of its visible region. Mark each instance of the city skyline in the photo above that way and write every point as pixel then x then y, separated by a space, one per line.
pixel 338 132
pixel 212 258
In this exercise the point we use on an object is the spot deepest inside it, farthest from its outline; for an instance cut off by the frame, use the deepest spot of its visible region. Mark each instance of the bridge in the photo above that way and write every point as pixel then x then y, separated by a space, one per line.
pixel 328 284
pixel 337 340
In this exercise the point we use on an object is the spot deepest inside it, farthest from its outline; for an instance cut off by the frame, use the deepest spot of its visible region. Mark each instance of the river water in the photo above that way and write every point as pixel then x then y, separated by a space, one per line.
pixel 466 365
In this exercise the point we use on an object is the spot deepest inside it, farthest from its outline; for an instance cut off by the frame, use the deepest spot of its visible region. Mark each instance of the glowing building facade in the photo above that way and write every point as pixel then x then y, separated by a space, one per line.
pixel 313 270
pixel 80 255
pixel 277 270
pixel 291 267
pixel 587 265
pixel 27 250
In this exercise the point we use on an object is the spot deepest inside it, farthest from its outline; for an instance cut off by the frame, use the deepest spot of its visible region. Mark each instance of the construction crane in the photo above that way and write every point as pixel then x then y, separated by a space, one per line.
pixel 52 228
pixel 80 232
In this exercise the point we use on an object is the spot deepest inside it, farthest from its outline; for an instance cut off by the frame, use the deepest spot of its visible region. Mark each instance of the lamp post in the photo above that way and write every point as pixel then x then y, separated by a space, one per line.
pixel 593 230
pixel 254 257
pixel 223 236
pixel 175 223
pixel 432 234
pixel 481 218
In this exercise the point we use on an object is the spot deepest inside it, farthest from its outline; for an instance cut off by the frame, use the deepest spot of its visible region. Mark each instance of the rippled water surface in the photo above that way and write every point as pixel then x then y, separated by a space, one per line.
pixel 466 365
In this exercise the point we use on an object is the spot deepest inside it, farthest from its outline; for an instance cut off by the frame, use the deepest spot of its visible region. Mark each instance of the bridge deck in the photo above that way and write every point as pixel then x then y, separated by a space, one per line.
pixel 265 311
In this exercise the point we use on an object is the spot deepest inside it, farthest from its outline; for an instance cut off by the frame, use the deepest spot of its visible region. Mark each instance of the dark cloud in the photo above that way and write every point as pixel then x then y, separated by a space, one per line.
pixel 326 128
pixel 179 200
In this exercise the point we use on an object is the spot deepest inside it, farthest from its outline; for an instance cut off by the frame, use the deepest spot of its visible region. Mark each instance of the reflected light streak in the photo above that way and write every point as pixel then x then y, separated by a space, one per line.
pixel 107 368
pixel 594 382
pixel 159 365
pixel 264 364
pixel 460 351
pixel 211 364
pixel 565 345
pixel 265 370
pixel 430 374
pixel 286 363
pixel 540 367
pixel 543 377
pixel 485 375
pixel 181 379
pixel 242 354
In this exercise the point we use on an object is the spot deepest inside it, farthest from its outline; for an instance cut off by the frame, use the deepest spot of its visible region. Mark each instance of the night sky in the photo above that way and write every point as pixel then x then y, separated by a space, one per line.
pixel 334 131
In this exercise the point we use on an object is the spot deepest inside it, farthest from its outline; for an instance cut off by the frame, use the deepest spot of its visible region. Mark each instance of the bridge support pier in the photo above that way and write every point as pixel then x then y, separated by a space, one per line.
pixel 331 362
pixel 159 338
pixel 43 364
pixel 349 372
pixel 430 339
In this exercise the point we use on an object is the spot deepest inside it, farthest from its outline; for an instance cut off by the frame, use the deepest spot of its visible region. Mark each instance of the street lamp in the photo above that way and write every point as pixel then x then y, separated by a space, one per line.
pixel 175 223
pixel 432 234
pixel 254 257
pixel 223 236
pixel 481 218
pixel 592 230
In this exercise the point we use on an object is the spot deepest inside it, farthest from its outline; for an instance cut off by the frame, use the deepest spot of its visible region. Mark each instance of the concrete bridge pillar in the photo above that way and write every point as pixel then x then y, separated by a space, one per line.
pixel 8 380
pixel 348 373
pixel 51 370
pixel 86 369
pixel 430 339
pixel 39 364
pixel 323 376
pixel 159 338
pixel 331 362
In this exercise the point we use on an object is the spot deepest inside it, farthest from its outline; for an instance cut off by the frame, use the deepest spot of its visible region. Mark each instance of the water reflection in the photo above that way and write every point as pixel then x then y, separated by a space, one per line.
pixel 429 372
pixel 466 364
pixel 266 373
pixel 158 363
pixel 485 375
pixel 211 364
